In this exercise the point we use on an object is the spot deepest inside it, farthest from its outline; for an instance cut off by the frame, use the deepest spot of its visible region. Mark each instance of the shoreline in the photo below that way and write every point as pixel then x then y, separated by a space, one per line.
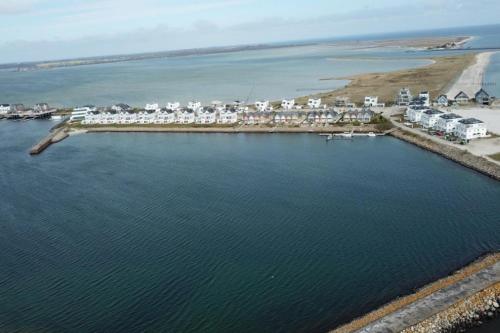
pixel 235 130
pixel 462 157
pixel 472 78
pixel 429 294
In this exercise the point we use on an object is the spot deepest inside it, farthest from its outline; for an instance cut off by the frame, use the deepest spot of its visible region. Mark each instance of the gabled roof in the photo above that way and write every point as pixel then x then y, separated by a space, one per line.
pixel 482 92
pixel 462 95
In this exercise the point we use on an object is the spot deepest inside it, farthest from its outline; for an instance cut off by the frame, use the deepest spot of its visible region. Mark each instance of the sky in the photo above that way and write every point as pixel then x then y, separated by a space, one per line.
pixel 58 29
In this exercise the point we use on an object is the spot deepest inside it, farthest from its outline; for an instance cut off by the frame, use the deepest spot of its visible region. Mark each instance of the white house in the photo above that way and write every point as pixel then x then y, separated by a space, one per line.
pixel 127 117
pixel 79 113
pixel 288 104
pixel 173 106
pixel 5 108
pixel 194 106
pixel 314 103
pixel 362 116
pixel 414 114
pixel 462 98
pixel 404 97
pixel 165 116
pixel 120 107
pixel 146 117
pixel 110 117
pixel 185 116
pixel 263 106
pixel 93 117
pixel 429 118
pixel 371 101
pixel 446 123
pixel 152 107
pixel 227 116
pixel 425 97
pixel 205 116
pixel 470 128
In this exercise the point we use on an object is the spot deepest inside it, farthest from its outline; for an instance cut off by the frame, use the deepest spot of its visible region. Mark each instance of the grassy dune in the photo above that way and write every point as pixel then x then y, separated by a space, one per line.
pixel 435 78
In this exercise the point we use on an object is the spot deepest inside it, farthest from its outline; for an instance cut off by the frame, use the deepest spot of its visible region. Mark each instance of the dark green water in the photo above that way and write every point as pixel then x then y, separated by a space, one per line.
pixel 226 233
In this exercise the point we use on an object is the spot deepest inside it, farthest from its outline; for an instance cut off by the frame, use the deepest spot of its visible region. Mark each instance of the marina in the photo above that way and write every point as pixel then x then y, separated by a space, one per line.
pixel 292 217
pixel 196 193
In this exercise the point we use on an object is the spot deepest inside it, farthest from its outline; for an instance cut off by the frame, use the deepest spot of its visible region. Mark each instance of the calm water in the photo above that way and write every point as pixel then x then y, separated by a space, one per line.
pixel 249 75
pixel 265 74
pixel 226 233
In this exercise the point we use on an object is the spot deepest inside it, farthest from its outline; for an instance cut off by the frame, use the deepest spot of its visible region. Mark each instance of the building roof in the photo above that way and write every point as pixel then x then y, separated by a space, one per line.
pixel 482 92
pixel 450 116
pixel 461 94
pixel 433 112
pixel 470 121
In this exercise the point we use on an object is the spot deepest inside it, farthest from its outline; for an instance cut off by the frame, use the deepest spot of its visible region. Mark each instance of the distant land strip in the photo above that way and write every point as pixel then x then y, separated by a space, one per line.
pixel 420 43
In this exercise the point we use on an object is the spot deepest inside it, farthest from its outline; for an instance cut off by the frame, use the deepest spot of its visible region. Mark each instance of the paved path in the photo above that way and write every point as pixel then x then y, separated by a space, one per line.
pixel 435 303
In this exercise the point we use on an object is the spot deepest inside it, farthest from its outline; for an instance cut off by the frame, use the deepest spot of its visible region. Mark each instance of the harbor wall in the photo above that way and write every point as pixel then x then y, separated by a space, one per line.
pixel 467 313
pixel 462 299
pixel 230 129
pixel 460 156
pixel 54 137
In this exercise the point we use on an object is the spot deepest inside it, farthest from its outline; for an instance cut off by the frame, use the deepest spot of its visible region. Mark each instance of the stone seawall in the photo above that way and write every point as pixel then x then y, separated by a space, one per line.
pixel 463 157
pixel 457 301
pixel 465 314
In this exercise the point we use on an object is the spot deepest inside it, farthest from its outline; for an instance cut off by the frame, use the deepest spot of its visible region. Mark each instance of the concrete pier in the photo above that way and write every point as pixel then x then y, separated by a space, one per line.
pixel 54 137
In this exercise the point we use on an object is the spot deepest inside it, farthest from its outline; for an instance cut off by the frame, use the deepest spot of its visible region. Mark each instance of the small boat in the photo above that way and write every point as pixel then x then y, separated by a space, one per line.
pixel 55 117
pixel 346 134
pixel 371 134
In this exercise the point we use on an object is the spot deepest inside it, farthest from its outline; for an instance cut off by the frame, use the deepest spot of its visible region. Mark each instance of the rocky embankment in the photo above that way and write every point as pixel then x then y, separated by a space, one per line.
pixel 470 312
pixel 463 157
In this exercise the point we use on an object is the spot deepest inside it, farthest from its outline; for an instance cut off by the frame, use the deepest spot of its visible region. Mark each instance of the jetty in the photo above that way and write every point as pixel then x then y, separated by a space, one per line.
pixel 53 137
pixel 463 299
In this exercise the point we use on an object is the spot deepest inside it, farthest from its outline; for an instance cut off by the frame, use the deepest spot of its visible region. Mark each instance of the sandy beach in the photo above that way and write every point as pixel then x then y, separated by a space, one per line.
pixel 471 79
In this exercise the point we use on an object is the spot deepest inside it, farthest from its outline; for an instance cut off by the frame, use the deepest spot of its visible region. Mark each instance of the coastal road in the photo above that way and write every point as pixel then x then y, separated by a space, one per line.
pixel 434 303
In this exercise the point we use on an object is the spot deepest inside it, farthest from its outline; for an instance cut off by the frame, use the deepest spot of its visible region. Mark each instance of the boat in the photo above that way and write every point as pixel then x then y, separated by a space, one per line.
pixel 347 135
pixel 371 134
pixel 56 117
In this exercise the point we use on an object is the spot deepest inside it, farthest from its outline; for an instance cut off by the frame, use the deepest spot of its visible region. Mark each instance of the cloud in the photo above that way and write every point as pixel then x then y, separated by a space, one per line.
pixel 120 36
pixel 14 7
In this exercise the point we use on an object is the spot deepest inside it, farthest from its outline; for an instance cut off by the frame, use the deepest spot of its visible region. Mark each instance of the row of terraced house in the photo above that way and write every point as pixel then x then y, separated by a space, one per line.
pixel 446 123
pixel 195 113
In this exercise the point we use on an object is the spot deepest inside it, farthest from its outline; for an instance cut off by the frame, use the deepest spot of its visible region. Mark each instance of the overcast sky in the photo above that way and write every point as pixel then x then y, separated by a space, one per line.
pixel 55 29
